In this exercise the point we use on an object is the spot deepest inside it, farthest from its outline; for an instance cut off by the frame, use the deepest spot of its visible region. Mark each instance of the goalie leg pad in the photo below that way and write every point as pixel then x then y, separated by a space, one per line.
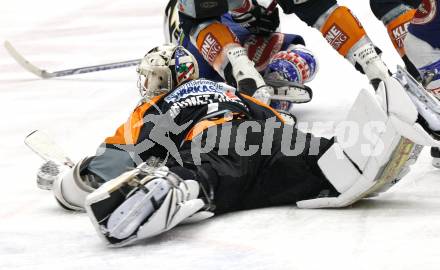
pixel 139 205
pixel 371 163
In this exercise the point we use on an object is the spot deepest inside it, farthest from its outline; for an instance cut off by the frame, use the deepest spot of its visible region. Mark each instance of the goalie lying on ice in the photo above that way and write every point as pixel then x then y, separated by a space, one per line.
pixel 200 148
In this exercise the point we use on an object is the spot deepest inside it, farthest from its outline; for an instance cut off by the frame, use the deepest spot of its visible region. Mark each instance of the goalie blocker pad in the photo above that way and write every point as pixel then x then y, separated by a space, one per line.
pixel 70 190
pixel 179 204
pixel 378 159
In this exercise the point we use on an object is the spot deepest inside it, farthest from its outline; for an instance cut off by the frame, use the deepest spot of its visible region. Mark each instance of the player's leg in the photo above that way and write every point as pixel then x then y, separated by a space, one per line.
pixel 71 186
pixel 221 48
pixel 396 16
pixel 382 153
pixel 423 43
pixel 423 49
pixel 290 173
pixel 343 32
pixel 140 204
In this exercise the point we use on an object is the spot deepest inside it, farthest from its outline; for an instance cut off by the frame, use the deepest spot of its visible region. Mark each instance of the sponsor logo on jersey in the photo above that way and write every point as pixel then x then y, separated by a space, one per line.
pixel 399 33
pixel 426 12
pixel 336 37
pixel 211 48
pixel 203 99
pixel 193 88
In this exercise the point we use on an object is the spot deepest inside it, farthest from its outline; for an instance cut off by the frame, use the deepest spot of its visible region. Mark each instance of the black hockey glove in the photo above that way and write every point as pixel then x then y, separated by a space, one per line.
pixel 258 20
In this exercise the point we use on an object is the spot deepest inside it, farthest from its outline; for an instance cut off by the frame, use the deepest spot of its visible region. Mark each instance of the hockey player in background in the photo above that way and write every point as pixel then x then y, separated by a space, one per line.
pixel 421 17
pixel 337 24
pixel 285 52
pixel 214 165
pixel 255 28
pixel 422 45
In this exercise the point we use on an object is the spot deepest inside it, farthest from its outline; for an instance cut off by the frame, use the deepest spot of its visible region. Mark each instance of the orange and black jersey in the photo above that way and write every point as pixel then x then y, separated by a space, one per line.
pixel 178 115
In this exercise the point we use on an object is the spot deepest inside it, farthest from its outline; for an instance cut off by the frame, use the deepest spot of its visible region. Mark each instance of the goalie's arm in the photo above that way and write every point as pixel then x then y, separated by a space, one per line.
pixel 119 153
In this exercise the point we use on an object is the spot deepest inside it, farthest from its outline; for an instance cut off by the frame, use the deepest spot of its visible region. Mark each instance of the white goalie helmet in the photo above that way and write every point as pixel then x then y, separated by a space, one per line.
pixel 165 67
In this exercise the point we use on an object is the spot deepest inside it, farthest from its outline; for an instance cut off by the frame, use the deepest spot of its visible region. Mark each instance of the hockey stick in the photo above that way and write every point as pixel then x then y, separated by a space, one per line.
pixel 43 145
pixel 44 74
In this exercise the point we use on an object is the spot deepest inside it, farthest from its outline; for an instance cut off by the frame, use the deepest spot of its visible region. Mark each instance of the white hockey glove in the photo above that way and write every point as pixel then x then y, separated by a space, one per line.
pixel 138 205
pixel 375 160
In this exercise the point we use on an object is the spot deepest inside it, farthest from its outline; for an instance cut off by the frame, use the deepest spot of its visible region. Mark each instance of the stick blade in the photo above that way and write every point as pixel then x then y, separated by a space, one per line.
pixel 25 63
pixel 43 145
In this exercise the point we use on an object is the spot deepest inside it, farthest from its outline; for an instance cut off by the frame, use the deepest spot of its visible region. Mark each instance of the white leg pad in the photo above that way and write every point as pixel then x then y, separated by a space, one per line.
pixel 181 203
pixel 375 160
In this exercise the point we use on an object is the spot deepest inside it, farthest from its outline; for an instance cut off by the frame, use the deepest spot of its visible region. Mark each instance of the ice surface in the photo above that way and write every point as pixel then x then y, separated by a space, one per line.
pixel 399 230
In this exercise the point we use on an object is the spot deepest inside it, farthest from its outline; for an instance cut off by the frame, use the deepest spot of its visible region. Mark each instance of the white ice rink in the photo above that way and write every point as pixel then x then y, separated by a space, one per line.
pixel 398 230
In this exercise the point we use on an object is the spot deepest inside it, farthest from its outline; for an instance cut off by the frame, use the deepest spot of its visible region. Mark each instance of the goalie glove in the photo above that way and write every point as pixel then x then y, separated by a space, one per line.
pixel 258 20
pixel 140 204
pixel 68 185
pixel 48 173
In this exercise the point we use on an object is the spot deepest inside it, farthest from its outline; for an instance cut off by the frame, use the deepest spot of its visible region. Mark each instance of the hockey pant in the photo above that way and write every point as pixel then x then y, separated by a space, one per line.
pixel 261 179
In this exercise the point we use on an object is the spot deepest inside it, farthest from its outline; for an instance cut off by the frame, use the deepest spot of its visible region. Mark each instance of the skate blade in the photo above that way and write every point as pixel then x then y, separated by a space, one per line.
pixel 417 90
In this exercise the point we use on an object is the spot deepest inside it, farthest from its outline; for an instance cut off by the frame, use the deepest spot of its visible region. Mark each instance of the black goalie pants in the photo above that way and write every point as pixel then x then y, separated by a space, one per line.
pixel 254 169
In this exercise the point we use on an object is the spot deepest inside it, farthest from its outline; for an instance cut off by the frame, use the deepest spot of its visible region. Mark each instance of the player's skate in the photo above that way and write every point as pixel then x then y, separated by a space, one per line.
pixel 388 145
pixel 140 204
pixel 431 81
pixel 427 60
pixel 427 104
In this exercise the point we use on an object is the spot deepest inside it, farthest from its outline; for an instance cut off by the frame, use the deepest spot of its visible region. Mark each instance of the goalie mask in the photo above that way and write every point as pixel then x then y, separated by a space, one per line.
pixel 164 68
